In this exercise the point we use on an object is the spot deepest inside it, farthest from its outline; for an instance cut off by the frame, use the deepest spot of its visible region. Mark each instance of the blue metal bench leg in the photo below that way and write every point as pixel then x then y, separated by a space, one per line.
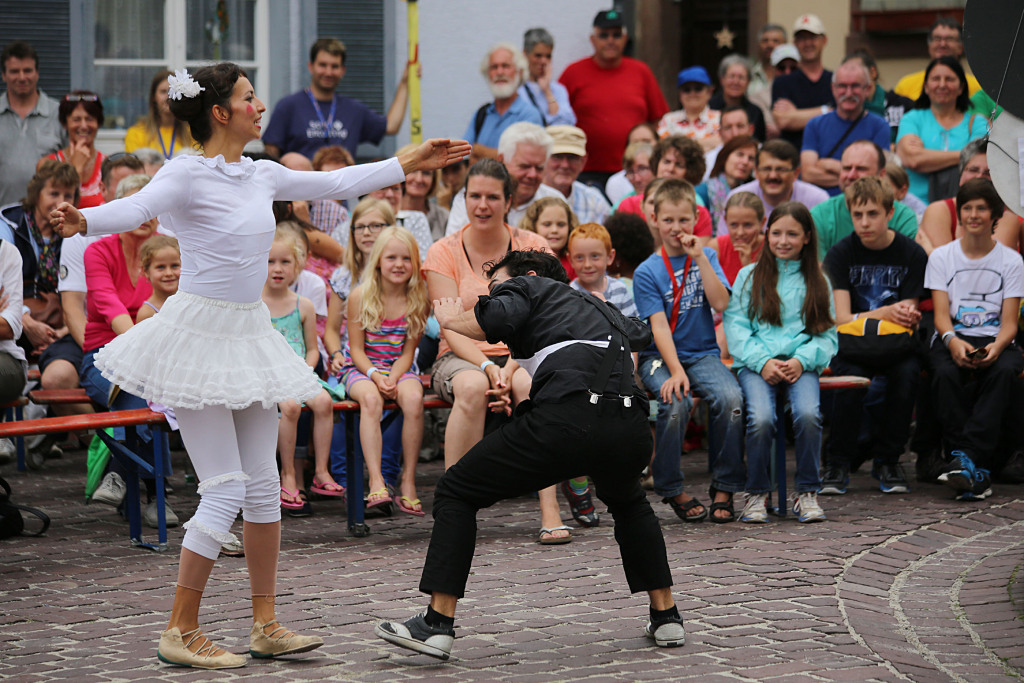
pixel 19 441
pixel 354 479
pixel 127 455
pixel 780 452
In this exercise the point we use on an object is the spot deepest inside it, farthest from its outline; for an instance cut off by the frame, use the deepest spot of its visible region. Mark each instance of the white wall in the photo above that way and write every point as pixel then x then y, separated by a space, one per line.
pixel 454 35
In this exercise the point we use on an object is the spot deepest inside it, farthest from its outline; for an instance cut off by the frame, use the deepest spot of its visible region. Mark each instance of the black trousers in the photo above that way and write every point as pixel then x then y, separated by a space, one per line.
pixel 542 445
pixel 973 404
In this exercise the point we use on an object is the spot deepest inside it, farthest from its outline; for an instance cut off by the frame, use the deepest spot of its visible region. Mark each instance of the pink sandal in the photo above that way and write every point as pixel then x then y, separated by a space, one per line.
pixel 295 503
pixel 329 488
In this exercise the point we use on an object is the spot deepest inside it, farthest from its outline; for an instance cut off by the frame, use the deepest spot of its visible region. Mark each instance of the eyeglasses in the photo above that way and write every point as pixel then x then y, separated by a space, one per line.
pixel 943 39
pixel 605 35
pixel 774 170
pixel 372 227
pixel 690 89
pixel 638 170
pixel 785 68
pixel 848 86
pixel 978 171
pixel 71 97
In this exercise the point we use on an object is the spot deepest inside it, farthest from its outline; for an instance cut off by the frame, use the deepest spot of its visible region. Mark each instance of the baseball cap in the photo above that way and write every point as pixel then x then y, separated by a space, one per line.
pixel 693 74
pixel 809 22
pixel 568 140
pixel 785 51
pixel 611 18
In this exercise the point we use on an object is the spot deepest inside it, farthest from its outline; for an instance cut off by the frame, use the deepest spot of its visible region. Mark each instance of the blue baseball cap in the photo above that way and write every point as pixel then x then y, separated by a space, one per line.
pixel 693 74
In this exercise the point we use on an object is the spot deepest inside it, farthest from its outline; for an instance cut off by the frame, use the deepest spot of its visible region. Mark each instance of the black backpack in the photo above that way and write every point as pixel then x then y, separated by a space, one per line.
pixel 11 521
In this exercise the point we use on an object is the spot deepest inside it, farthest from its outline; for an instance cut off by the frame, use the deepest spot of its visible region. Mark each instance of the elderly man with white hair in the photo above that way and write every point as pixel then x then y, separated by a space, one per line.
pixel 503 68
pixel 524 148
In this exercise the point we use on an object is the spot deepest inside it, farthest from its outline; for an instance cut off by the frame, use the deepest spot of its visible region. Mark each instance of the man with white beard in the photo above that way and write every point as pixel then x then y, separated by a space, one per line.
pixel 503 67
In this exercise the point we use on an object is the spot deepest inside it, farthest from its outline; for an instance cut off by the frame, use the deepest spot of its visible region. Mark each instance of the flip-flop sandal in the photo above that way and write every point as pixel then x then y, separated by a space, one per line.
pixel 405 504
pixel 382 491
pixel 682 508
pixel 295 504
pixel 550 539
pixel 327 489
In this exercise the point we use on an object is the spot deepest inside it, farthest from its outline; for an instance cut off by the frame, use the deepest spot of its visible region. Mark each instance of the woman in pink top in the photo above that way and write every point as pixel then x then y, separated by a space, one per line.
pixel 476 376
pixel 117 289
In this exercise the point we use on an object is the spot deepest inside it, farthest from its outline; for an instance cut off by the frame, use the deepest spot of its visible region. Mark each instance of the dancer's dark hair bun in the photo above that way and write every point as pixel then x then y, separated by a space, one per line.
pixel 218 82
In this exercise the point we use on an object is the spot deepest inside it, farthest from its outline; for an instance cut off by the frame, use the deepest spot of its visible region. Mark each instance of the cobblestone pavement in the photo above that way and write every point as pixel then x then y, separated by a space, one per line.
pixel 915 587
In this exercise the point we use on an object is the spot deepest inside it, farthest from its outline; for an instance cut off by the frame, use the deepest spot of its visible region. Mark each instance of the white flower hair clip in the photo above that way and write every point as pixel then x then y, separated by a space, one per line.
pixel 181 84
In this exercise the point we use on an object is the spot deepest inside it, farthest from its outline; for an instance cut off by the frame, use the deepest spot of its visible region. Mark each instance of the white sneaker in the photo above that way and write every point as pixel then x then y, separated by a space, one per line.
pixel 149 516
pixel 755 512
pixel 7 451
pixel 807 508
pixel 111 490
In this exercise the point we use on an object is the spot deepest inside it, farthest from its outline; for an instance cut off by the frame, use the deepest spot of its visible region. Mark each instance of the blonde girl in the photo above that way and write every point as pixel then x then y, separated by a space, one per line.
pixel 293 316
pixel 387 314
pixel 369 218
pixel 161 264
pixel 553 219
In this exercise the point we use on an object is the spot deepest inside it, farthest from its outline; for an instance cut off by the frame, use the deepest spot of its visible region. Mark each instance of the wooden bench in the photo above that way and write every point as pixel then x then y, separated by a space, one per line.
pixel 347 410
pixel 126 453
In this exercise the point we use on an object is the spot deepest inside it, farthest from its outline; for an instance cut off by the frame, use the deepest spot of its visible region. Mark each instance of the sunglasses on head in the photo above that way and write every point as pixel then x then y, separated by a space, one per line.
pixel 71 97
pixel 117 156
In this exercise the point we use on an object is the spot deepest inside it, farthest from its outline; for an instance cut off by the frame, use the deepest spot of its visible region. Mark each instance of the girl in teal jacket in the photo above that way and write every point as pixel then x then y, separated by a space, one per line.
pixel 781 332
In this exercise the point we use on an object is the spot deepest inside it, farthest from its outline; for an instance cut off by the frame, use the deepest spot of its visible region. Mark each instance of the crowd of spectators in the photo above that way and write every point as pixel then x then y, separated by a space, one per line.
pixel 845 206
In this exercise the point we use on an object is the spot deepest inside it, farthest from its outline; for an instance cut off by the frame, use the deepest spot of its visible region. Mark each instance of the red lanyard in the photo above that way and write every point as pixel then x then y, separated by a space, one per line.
pixel 677 289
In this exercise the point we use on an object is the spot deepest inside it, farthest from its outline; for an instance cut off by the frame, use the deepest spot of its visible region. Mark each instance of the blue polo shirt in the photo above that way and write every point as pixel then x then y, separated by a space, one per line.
pixel 495 123
pixel 822 133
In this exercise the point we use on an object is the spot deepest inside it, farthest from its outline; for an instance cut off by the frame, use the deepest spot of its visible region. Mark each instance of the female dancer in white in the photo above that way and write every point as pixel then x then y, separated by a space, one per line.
pixel 212 353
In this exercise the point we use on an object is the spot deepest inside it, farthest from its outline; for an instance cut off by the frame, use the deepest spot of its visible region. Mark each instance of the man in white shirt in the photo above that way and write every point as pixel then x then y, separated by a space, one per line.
pixel 524 148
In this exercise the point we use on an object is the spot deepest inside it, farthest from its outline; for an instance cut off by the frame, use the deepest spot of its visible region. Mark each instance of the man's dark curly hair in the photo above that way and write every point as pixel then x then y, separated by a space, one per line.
pixel 522 262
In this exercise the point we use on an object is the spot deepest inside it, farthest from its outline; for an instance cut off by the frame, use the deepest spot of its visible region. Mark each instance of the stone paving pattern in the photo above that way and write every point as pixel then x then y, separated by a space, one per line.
pixel 915 587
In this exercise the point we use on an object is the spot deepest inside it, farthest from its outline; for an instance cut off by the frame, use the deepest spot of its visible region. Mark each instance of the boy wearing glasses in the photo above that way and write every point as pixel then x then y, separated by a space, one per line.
pixel 610 94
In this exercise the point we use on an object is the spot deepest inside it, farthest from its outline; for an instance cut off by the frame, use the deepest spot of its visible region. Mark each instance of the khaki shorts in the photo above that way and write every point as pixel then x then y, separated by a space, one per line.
pixel 449 365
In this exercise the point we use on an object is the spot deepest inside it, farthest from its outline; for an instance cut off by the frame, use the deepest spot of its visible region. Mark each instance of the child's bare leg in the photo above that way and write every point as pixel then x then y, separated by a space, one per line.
pixel 410 400
pixel 323 428
pixel 288 427
pixel 371 407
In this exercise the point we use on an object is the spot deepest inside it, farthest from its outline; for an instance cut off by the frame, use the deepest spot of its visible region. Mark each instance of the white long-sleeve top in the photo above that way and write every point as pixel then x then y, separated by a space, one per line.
pixel 221 214
pixel 11 280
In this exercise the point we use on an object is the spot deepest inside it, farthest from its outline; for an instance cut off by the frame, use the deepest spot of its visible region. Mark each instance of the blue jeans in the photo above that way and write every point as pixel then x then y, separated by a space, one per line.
pixel 803 398
pixel 98 388
pixel 713 382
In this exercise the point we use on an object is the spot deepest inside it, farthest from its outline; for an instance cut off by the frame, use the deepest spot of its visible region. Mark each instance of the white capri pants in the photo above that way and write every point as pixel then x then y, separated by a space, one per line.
pixel 233 453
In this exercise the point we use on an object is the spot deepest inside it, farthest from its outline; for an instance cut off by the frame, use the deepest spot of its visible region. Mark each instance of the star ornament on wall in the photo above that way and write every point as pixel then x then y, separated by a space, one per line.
pixel 725 38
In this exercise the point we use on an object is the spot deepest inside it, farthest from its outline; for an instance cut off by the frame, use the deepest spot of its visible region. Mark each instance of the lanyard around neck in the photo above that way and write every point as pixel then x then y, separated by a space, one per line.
pixel 677 288
pixel 174 133
pixel 320 115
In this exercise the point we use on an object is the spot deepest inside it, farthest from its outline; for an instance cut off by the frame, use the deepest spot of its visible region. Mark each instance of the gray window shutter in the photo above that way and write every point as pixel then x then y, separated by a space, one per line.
pixel 46 25
pixel 360 25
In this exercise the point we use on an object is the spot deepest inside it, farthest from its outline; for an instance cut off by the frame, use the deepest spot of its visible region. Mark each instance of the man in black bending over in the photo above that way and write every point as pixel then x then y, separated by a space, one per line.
pixel 585 415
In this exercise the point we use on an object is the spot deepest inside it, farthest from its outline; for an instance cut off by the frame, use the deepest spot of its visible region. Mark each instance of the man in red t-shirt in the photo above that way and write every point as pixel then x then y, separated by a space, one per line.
pixel 610 94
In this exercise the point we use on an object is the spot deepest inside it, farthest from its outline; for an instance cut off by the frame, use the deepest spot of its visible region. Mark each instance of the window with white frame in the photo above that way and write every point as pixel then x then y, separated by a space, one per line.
pixel 134 40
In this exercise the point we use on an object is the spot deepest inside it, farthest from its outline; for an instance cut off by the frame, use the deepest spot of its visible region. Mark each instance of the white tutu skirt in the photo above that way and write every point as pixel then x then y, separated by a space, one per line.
pixel 199 351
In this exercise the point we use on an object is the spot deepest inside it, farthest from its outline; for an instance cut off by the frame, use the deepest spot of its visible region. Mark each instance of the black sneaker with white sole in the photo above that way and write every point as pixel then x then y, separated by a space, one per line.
pixel 666 633
pixel 416 634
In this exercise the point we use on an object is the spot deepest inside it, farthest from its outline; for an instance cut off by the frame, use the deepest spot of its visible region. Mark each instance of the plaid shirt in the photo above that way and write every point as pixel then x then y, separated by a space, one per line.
pixel 588 203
